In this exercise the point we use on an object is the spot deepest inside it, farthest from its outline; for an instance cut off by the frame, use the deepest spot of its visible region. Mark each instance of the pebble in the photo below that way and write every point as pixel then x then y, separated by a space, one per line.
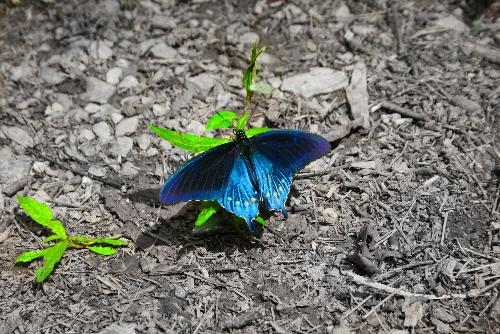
pixel 129 82
pixel 452 23
pixel 13 168
pixel 129 169
pixel 195 127
pixel 122 146
pixel 318 80
pixel 113 76
pixel 203 82
pixel 86 135
pixel 97 91
pixel 20 72
pixel 160 109
pixel 127 126
pixel 249 38
pixel 144 141
pixel 96 170
pixel 100 50
pixel 51 75
pixel 92 108
pixel 103 131
pixel 162 50
pixel 18 135
pixel 53 108
pixel 116 117
pixel 119 328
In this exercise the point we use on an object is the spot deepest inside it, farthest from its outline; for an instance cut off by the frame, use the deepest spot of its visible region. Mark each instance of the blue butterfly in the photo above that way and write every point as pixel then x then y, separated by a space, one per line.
pixel 247 172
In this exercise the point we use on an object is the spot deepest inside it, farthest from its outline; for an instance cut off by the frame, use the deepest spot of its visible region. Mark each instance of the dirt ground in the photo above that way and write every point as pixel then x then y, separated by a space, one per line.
pixel 396 230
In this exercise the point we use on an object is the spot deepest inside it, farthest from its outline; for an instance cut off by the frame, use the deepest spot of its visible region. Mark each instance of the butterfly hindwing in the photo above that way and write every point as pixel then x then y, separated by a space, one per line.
pixel 290 150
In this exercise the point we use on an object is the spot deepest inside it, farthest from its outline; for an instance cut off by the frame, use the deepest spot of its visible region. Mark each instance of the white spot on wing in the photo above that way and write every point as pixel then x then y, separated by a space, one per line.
pixel 229 198
pixel 246 203
pixel 268 195
pixel 254 199
pixel 237 202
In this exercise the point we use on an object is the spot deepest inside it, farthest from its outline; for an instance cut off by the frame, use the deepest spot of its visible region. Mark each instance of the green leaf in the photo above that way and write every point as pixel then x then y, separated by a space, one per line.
pixel 41 213
pixel 208 209
pixel 263 88
pixel 51 257
pixel 260 220
pixel 80 239
pixel 221 120
pixel 255 131
pixel 242 122
pixel 29 256
pixel 109 241
pixel 102 250
pixel 187 141
pixel 250 73
pixel 52 238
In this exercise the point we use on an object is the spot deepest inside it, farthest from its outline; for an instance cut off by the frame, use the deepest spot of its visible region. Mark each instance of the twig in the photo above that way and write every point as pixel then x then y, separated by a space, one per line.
pixel 381 303
pixel 491 54
pixel 351 311
pixel 443 231
pixel 379 286
pixel 205 317
pixel 402 111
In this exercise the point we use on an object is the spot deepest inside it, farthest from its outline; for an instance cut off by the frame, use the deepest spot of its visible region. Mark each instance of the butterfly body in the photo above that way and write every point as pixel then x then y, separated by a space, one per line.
pixel 246 173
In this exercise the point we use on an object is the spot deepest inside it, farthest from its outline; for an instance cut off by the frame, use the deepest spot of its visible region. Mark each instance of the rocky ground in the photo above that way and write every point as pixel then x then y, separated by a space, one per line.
pixel 395 231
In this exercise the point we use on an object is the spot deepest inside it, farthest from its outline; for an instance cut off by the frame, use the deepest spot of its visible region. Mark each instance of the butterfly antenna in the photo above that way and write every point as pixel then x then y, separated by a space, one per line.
pixel 231 126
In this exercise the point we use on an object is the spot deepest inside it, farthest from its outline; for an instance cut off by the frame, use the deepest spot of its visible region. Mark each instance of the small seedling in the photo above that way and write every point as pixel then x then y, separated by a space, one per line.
pixel 223 119
pixel 42 214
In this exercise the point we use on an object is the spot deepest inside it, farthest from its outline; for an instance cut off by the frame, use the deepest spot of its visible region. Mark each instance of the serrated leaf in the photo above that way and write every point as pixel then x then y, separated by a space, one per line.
pixel 262 88
pixel 242 122
pixel 260 220
pixel 51 257
pixel 41 213
pixel 103 250
pixel 208 209
pixel 187 141
pixel 255 131
pixel 250 73
pixel 29 256
pixel 221 120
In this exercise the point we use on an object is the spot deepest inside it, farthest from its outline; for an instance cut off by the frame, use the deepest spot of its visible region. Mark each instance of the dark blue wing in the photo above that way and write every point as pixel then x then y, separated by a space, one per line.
pixel 217 174
pixel 277 155
pixel 203 177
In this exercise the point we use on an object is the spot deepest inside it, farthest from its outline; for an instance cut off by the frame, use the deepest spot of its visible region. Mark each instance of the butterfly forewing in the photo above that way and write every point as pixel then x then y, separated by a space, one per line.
pixel 202 178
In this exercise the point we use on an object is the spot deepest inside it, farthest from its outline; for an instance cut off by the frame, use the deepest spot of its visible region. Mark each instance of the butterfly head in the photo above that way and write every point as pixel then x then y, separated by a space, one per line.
pixel 240 135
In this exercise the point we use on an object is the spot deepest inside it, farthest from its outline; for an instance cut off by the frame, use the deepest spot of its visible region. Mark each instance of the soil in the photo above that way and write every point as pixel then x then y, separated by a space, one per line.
pixel 396 230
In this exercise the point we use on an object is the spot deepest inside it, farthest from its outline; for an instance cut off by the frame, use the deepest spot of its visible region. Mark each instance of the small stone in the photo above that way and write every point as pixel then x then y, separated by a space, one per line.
pixel 100 50
pixel 443 315
pixel 52 76
pixel 98 171
pixel 152 152
pixel 116 117
pixel 122 146
pixel 20 72
pixel 342 12
pixel 103 131
pixel 18 135
pixel 441 327
pixel 144 141
pixel 413 313
pixel 249 38
pixel 53 108
pixel 203 82
pixel 452 23
pixel 92 108
pixel 121 328
pixel 340 330
pixel 162 50
pixel 160 109
pixel 163 22
pixel 86 135
pixel 318 80
pixel 195 127
pixel 12 168
pixel 97 91
pixel 113 76
pixel 127 126
pixel 331 215
pixel 129 82
pixel 129 169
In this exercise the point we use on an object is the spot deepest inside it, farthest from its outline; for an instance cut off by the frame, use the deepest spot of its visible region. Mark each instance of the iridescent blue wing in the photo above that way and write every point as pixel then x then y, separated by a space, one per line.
pixel 277 155
pixel 217 174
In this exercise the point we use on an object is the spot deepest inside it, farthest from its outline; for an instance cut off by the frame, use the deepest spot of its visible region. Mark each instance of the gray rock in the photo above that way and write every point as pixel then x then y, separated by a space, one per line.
pixel 51 75
pixel 12 168
pixel 119 329
pixel 129 169
pixel 249 38
pixel 116 117
pixel 100 50
pixel 163 22
pixel 97 170
pixel 127 126
pixel 318 80
pixel 144 141
pixel 451 22
pixel 20 72
pixel 97 91
pixel 203 82
pixel 195 127
pixel 163 51
pixel 129 82
pixel 103 131
pixel 122 146
pixel 18 135
pixel 113 76
pixel 86 135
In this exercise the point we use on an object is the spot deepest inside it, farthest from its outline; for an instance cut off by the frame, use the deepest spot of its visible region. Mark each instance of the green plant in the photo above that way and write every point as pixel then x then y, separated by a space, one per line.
pixel 223 119
pixel 42 214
